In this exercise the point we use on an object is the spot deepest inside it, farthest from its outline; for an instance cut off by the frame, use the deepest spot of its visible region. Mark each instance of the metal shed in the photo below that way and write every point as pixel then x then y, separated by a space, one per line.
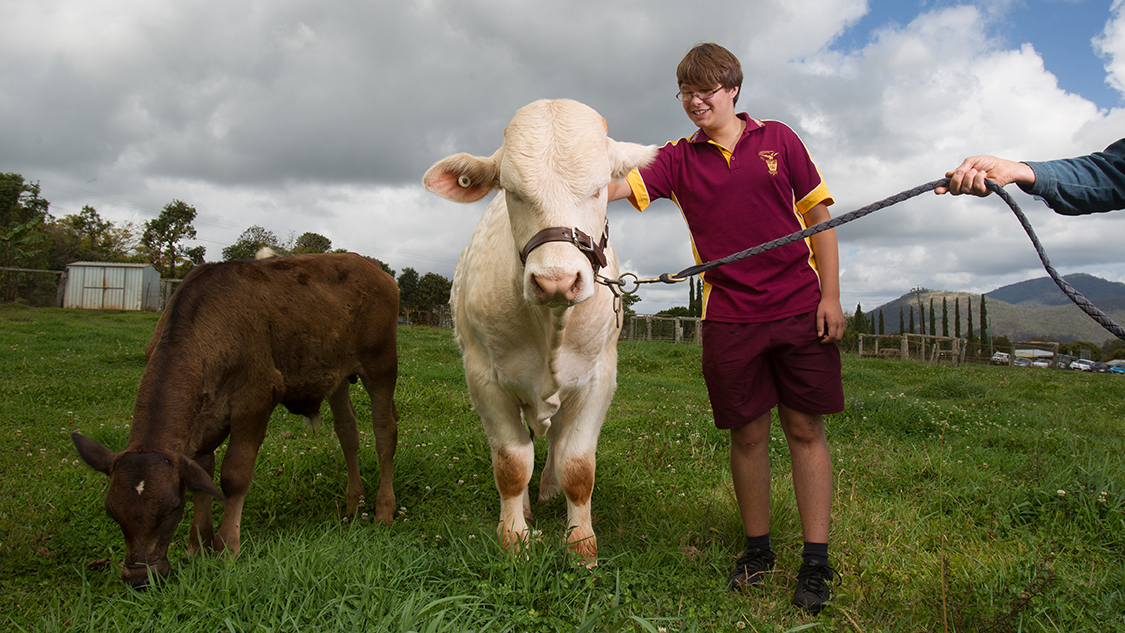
pixel 111 286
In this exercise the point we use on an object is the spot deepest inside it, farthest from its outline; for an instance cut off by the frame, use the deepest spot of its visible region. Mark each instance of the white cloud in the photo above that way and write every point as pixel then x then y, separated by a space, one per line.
pixel 1111 45
pixel 311 117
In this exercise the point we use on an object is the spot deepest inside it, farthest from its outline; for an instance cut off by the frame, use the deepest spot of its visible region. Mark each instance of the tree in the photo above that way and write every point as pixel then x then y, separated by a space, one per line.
pixel 901 325
pixel 969 319
pixel 881 322
pixel 433 291
pixel 251 240
pixel 957 317
pixel 984 333
pixel 407 291
pixel 1112 347
pixel 20 202
pixel 859 321
pixel 911 319
pixel 1075 348
pixel 85 236
pixel 312 243
pixel 944 317
pixel 18 243
pixel 695 297
pixel 22 212
pixel 163 237
pixel 627 303
pixel 933 319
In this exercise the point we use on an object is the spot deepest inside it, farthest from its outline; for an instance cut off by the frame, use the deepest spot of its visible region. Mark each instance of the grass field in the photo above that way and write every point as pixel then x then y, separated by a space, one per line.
pixel 967 498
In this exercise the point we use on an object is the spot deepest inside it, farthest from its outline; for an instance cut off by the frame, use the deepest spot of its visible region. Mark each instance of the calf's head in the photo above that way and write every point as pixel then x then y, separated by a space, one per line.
pixel 146 496
pixel 553 167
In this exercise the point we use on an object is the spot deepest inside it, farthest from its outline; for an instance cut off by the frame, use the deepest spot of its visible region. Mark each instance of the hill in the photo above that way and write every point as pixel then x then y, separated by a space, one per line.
pixel 1043 292
pixel 1026 311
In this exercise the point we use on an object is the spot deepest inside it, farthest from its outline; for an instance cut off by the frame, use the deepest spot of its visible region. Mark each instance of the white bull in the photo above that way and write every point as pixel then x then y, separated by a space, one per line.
pixel 539 337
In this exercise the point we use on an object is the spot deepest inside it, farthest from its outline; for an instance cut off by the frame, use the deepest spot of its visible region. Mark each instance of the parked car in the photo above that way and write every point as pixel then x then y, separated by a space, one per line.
pixel 1082 364
pixel 1100 368
pixel 1041 362
pixel 1117 369
pixel 1022 362
pixel 1000 358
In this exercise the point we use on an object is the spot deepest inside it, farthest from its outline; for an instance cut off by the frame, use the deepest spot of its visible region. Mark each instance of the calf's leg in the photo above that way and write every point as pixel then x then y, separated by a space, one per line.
pixel 343 419
pixel 384 422
pixel 201 536
pixel 246 435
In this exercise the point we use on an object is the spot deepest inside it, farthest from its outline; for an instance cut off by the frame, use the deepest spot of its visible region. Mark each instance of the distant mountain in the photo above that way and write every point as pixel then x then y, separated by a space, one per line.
pixel 1043 292
pixel 1032 310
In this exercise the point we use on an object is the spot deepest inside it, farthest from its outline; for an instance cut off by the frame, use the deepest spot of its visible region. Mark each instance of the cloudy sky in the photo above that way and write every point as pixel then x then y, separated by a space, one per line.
pixel 302 116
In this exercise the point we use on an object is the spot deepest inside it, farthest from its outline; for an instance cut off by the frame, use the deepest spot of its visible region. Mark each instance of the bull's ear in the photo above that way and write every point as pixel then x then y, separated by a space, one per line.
pixel 463 177
pixel 625 157
pixel 196 479
pixel 95 455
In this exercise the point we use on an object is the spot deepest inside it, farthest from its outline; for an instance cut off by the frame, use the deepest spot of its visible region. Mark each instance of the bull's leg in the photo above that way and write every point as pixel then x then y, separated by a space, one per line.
pixel 511 467
pixel 513 459
pixel 343 419
pixel 247 430
pixel 575 461
pixel 201 536
pixel 384 422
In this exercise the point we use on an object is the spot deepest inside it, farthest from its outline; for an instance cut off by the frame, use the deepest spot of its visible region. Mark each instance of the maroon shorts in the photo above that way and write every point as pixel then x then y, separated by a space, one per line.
pixel 751 367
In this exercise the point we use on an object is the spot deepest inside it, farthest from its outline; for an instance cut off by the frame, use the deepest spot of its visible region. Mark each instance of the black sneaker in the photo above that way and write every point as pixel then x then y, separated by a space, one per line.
pixel 812 587
pixel 751 568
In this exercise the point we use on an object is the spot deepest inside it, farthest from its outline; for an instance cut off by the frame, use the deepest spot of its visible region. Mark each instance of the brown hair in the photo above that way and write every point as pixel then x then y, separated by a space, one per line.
pixel 708 64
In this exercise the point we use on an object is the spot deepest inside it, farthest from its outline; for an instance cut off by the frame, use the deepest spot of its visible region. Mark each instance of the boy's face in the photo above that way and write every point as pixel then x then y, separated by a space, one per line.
pixel 712 112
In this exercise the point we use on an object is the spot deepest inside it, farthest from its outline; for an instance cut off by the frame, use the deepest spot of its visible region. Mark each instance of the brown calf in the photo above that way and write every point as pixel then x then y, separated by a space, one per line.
pixel 237 339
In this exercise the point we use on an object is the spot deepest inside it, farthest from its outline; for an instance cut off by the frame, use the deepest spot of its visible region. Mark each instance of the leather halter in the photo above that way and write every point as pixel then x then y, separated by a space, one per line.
pixel 595 252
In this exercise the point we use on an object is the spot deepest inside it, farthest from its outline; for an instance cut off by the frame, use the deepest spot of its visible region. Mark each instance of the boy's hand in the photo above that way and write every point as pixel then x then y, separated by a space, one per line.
pixel 830 321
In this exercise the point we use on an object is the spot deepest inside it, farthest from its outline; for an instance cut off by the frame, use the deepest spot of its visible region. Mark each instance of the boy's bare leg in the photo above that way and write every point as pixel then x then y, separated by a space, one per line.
pixel 812 471
pixel 750 470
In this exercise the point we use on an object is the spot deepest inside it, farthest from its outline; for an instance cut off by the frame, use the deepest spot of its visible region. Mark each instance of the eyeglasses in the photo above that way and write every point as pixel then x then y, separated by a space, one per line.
pixel 702 94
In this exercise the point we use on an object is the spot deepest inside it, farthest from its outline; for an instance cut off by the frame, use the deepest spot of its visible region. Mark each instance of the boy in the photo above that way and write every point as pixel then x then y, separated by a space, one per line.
pixel 770 322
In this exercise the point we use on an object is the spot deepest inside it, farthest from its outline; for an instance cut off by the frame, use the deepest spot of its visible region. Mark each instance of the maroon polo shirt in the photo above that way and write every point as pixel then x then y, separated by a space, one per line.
pixel 735 200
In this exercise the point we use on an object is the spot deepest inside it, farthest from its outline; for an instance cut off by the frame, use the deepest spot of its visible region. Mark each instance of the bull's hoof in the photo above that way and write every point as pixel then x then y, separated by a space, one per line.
pixel 587 548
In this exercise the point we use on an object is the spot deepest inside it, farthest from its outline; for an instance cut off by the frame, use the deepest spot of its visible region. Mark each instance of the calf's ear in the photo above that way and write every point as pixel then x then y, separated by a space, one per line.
pixel 625 157
pixel 463 177
pixel 196 479
pixel 95 455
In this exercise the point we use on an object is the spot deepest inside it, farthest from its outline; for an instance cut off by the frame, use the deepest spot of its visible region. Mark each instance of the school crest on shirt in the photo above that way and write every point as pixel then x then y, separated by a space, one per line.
pixel 771 160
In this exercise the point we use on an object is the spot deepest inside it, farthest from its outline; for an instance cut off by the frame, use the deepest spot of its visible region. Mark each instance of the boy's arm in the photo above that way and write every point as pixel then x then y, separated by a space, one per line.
pixel 619 190
pixel 829 315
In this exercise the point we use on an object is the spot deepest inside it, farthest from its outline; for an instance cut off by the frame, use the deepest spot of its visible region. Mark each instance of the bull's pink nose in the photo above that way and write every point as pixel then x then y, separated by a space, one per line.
pixel 555 289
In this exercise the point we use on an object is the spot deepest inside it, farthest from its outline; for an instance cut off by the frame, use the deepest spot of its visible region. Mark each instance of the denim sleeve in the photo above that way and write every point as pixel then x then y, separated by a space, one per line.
pixel 1087 184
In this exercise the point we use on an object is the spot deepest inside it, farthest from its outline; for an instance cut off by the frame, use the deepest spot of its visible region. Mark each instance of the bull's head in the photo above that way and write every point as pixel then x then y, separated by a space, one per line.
pixel 146 496
pixel 554 167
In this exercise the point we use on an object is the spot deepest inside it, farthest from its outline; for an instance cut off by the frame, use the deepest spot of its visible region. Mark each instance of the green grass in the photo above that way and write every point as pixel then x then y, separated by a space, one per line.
pixel 967 499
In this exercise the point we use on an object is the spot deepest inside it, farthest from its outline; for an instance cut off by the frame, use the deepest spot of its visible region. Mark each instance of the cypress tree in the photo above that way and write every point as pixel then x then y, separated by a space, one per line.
pixel 859 322
pixel 969 319
pixel 957 317
pixel 944 317
pixel 880 321
pixel 901 325
pixel 933 321
pixel 911 319
pixel 984 334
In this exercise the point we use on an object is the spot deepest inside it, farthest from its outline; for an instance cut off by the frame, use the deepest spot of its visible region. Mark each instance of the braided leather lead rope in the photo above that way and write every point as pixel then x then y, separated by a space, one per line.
pixel 1070 291
pixel 1082 302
